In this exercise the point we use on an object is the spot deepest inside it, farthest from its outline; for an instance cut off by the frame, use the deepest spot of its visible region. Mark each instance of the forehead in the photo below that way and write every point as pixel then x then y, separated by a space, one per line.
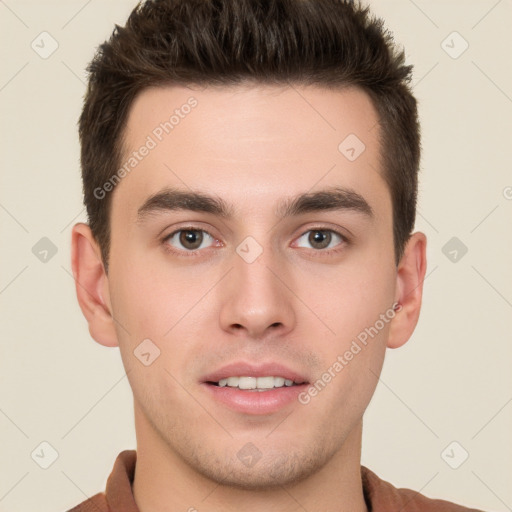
pixel 249 143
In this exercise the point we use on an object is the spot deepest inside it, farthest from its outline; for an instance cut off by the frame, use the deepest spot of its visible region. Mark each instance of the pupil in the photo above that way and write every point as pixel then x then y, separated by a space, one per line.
pixel 189 238
pixel 320 238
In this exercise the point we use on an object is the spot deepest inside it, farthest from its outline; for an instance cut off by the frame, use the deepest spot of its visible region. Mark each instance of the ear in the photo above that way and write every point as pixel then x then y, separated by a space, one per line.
pixel 91 283
pixel 409 290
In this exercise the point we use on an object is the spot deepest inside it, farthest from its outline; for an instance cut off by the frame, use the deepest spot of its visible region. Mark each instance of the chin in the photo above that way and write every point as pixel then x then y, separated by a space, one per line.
pixel 270 471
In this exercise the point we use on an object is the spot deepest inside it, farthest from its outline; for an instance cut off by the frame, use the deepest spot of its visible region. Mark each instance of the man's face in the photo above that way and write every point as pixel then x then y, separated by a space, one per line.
pixel 255 287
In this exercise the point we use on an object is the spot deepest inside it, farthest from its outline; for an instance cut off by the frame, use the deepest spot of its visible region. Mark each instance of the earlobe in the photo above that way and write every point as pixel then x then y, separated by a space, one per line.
pixel 409 290
pixel 91 284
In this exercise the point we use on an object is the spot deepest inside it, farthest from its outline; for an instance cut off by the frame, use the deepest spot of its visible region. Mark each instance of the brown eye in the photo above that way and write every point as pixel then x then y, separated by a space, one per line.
pixel 320 239
pixel 191 239
pixel 188 239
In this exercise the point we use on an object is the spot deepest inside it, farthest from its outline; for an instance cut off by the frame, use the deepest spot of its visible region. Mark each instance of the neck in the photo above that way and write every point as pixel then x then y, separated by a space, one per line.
pixel 163 481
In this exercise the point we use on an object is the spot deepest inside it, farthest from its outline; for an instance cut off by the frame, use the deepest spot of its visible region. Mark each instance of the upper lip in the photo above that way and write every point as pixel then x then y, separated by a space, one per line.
pixel 246 369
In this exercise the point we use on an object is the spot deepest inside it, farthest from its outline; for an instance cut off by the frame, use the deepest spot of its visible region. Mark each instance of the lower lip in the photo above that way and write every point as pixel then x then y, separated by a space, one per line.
pixel 255 402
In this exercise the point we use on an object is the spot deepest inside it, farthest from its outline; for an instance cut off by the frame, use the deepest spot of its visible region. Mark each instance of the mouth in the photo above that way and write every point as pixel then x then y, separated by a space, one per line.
pixel 249 376
pixel 254 389
pixel 264 383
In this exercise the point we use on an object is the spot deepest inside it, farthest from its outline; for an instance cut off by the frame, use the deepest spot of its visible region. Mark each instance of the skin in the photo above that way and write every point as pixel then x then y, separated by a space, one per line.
pixel 251 146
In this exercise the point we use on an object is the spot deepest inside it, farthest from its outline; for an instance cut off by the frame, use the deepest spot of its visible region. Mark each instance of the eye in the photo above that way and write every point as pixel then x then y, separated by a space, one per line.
pixel 190 239
pixel 322 238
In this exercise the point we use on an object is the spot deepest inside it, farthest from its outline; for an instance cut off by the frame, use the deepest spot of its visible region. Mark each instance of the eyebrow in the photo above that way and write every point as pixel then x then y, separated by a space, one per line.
pixel 331 199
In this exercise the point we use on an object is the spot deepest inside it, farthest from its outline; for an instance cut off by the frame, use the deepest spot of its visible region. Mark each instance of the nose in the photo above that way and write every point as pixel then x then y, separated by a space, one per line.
pixel 257 298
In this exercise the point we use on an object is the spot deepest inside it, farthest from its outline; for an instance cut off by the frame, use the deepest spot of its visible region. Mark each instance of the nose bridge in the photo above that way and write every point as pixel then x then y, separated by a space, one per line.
pixel 257 299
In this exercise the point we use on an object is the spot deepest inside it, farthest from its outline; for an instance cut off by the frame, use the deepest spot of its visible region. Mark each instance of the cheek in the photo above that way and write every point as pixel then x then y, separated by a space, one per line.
pixel 150 297
pixel 357 307
pixel 352 298
pixel 341 392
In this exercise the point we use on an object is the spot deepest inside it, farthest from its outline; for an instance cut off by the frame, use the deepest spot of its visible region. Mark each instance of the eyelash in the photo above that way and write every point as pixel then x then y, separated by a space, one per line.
pixel 196 252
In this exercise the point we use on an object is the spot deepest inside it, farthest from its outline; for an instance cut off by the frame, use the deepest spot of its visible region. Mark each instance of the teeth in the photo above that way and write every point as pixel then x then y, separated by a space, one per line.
pixel 247 383
pixel 231 381
pixel 262 383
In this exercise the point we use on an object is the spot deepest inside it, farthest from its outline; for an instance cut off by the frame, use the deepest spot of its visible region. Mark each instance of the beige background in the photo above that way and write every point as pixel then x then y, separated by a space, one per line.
pixel 451 382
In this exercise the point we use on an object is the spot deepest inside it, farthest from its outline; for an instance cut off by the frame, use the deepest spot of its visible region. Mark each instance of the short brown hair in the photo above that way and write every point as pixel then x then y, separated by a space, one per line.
pixel 331 43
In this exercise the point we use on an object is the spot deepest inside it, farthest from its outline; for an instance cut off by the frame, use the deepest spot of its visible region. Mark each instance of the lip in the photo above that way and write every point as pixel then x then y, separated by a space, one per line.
pixel 254 402
pixel 245 369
